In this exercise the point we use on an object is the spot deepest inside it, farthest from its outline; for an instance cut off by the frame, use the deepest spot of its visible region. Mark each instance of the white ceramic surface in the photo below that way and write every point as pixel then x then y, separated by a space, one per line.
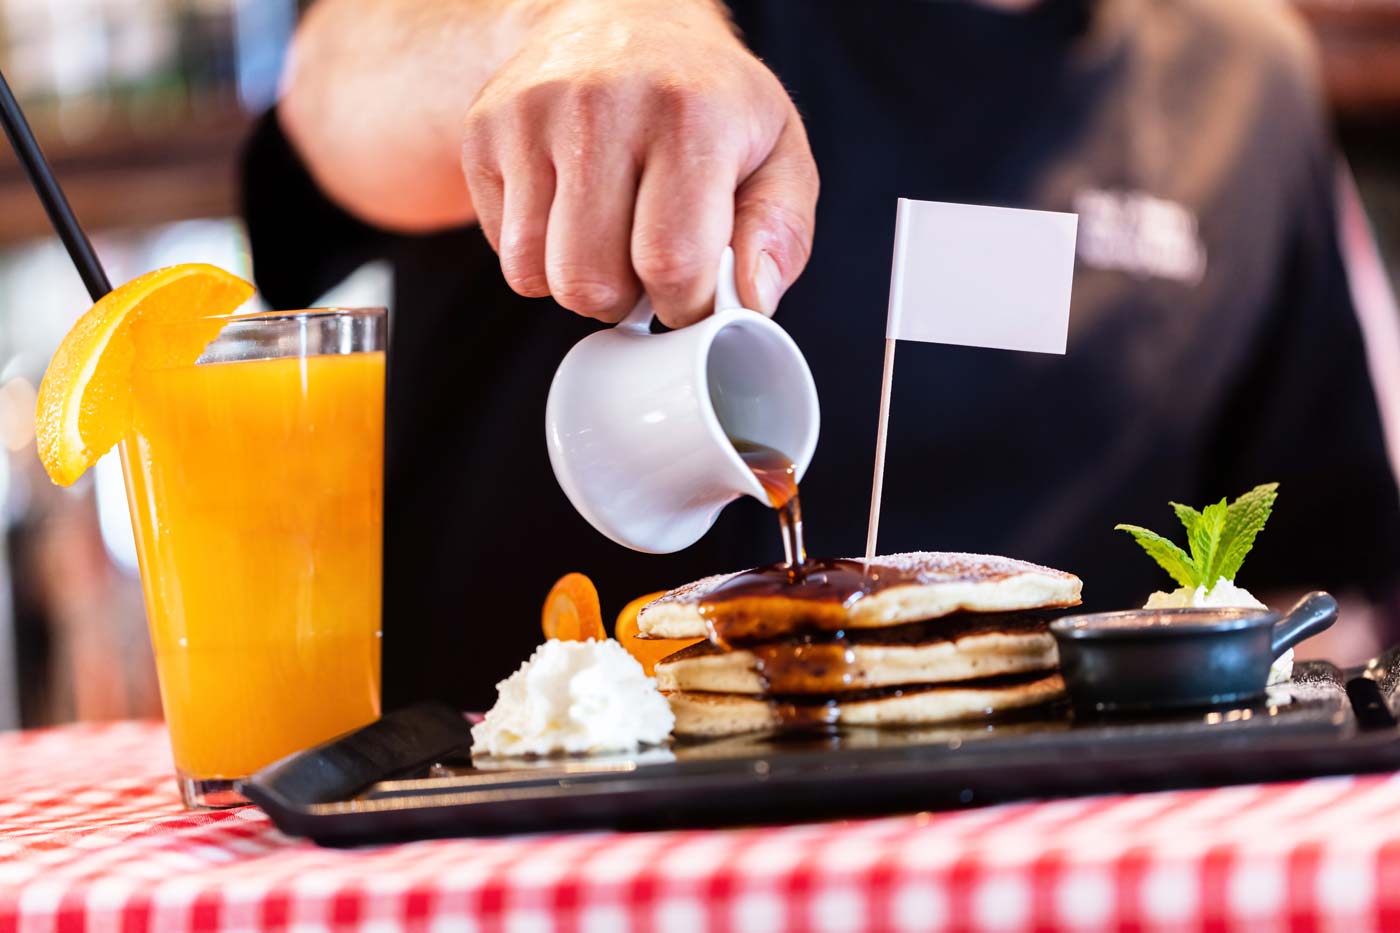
pixel 638 423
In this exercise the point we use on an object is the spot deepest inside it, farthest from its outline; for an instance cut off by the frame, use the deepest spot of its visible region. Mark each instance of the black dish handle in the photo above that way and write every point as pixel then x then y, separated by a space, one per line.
pixel 1314 613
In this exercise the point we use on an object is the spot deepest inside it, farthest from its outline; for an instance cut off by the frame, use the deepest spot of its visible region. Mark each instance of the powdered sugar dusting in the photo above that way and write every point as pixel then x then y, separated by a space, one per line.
pixel 957 567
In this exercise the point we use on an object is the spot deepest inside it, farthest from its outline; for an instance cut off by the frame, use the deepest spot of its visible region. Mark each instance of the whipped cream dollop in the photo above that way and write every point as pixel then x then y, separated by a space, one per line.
pixel 1224 595
pixel 574 697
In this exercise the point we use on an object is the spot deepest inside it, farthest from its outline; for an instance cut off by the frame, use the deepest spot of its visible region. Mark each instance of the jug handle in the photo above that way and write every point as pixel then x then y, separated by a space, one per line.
pixel 639 318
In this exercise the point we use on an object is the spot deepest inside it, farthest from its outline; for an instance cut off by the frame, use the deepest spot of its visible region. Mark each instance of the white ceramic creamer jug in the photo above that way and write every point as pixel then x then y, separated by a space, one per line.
pixel 639 425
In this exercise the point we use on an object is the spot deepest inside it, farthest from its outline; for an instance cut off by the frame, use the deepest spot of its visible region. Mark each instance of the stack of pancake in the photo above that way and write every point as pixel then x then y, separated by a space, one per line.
pixel 913 639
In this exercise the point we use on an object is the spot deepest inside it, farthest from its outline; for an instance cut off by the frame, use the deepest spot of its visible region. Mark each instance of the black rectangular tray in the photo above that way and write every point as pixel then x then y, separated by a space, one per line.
pixel 410 774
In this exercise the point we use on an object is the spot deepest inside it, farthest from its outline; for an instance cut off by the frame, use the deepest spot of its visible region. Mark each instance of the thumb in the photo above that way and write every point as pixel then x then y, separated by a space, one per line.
pixel 774 216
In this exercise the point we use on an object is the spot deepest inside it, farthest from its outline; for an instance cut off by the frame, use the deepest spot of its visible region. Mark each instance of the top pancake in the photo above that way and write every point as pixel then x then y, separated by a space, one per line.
pixel 943 583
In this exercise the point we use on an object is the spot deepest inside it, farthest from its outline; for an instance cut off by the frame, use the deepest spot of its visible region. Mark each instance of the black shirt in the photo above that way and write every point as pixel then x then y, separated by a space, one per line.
pixel 1213 344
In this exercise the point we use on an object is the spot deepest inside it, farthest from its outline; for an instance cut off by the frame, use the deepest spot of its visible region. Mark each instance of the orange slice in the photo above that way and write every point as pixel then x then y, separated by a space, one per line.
pixel 646 650
pixel 571 610
pixel 85 398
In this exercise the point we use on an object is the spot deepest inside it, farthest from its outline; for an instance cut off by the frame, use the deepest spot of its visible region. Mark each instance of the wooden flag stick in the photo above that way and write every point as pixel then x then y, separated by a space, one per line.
pixel 877 486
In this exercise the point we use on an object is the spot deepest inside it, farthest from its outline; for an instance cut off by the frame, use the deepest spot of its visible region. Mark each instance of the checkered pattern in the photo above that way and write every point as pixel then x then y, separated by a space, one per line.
pixel 92 837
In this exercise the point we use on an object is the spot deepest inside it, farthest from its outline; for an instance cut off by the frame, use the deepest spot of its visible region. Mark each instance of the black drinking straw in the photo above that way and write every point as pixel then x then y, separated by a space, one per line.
pixel 61 215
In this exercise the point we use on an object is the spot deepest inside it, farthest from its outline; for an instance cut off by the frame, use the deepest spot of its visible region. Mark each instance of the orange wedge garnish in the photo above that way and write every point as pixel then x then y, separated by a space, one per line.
pixel 85 399
pixel 646 650
pixel 571 610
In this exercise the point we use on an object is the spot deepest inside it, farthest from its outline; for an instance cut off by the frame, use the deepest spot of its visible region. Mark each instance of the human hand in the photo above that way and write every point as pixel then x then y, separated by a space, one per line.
pixel 623 146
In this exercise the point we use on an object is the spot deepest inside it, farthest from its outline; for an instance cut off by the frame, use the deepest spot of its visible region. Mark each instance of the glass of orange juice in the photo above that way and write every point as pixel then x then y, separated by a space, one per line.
pixel 255 482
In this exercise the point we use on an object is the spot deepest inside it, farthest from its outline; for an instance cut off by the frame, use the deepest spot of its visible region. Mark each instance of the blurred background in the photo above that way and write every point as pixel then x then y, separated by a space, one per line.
pixel 142 105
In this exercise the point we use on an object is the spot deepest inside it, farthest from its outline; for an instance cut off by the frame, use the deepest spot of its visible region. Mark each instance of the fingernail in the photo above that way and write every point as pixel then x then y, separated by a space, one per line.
pixel 768 282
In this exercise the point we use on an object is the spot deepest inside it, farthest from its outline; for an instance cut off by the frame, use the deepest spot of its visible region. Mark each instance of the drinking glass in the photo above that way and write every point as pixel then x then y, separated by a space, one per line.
pixel 255 482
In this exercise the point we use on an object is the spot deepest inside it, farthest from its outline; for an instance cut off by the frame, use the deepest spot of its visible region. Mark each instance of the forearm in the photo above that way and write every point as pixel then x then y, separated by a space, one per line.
pixel 374 97
pixel 376 93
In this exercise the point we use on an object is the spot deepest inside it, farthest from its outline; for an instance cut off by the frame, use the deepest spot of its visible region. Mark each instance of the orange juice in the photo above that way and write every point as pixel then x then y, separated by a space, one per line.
pixel 256 494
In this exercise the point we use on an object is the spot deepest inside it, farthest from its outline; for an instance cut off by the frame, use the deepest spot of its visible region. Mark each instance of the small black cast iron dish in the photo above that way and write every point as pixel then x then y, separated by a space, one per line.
pixel 1148 659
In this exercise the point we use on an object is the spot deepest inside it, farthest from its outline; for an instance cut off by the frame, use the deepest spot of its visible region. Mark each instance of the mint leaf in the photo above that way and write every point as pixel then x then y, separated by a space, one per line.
pixel 1245 519
pixel 1205 543
pixel 1171 558
pixel 1190 518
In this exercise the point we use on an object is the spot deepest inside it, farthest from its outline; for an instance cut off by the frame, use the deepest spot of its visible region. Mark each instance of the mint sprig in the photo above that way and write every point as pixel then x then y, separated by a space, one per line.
pixel 1219 536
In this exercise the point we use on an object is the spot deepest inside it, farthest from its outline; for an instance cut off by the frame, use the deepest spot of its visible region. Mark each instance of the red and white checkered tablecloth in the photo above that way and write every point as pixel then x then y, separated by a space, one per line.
pixel 92 837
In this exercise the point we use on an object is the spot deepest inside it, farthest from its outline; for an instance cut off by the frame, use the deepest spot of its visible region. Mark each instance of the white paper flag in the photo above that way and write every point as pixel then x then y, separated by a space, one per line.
pixel 981 276
pixel 977 277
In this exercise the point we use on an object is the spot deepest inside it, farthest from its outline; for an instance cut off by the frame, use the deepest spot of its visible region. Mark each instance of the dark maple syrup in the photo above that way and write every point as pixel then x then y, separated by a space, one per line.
pixel 761 608
pixel 777 474
pixel 782 600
